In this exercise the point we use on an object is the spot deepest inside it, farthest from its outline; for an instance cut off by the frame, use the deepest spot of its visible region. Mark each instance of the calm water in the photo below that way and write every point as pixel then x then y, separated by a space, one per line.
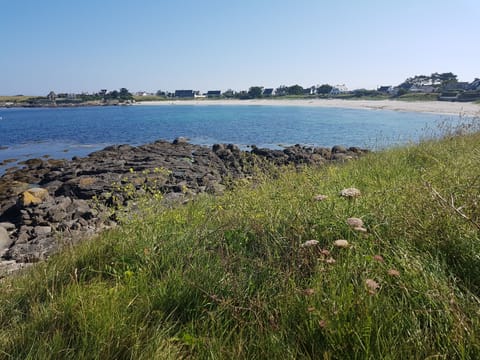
pixel 66 132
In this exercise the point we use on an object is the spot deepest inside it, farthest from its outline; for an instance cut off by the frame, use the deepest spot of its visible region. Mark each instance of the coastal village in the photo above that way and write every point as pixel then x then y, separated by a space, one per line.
pixel 437 86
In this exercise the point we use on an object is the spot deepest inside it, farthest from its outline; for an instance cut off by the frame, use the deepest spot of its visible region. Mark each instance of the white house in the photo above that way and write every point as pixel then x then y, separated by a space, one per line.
pixel 339 89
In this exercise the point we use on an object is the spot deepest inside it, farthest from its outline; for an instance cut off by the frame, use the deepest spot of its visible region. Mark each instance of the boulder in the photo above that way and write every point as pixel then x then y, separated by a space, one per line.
pixel 33 196
pixel 7 226
pixel 339 149
pixel 42 230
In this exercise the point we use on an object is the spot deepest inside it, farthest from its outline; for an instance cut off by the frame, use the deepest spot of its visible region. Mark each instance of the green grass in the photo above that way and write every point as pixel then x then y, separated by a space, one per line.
pixel 150 98
pixel 418 97
pixel 226 278
pixel 19 98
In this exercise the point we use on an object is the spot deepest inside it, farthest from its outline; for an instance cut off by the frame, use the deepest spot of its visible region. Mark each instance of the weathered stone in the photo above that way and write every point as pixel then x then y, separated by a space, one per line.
pixel 215 188
pixel 42 230
pixel 22 238
pixel 32 196
pixel 7 226
pixel 5 240
pixel 339 149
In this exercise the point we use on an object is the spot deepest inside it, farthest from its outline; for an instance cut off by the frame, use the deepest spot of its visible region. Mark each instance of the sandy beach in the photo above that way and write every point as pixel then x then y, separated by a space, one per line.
pixel 434 107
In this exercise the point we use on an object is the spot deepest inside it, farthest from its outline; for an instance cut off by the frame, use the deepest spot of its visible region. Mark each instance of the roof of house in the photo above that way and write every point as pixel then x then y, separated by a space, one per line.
pixel 384 88
pixel 185 93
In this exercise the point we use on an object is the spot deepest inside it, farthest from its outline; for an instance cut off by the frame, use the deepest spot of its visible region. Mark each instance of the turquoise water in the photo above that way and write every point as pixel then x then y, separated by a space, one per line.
pixel 67 132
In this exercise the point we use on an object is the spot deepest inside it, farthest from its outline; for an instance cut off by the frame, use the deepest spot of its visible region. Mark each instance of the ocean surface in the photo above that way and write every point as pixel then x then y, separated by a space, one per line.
pixel 68 132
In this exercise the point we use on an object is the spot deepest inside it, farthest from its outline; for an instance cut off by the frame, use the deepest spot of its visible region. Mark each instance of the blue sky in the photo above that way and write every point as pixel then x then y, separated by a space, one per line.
pixel 211 44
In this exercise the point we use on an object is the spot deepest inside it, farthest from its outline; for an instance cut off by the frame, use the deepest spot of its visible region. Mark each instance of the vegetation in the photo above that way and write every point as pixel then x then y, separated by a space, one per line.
pixel 436 79
pixel 418 97
pixel 16 99
pixel 237 277
pixel 255 92
pixel 150 98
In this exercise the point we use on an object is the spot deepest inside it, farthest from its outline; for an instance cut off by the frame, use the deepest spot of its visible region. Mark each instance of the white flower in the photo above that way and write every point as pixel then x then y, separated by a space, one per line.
pixel 320 197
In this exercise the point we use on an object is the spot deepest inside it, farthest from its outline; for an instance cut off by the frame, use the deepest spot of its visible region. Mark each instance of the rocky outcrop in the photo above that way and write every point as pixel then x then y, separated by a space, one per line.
pixel 50 202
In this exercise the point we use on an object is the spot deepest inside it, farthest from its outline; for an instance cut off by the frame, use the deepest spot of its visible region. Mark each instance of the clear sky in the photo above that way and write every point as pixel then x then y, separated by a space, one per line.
pixel 152 45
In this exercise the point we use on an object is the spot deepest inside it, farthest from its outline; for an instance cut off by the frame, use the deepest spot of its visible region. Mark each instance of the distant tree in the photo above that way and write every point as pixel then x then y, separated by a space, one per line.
pixel 324 89
pixel 160 93
pixel 229 93
pixel 401 92
pixel 124 94
pixel 443 78
pixel 295 90
pixel 417 80
pixel 365 92
pixel 255 92
pixel 113 94
pixel 281 90
pixel 242 95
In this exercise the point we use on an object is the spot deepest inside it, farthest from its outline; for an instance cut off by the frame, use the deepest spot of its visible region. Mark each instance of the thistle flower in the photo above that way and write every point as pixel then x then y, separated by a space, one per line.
pixel 372 286
pixel 355 222
pixel 309 243
pixel 393 272
pixel 309 292
pixel 350 193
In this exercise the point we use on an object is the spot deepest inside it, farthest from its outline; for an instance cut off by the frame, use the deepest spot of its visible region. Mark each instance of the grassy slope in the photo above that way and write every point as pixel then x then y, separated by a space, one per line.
pixel 19 98
pixel 226 278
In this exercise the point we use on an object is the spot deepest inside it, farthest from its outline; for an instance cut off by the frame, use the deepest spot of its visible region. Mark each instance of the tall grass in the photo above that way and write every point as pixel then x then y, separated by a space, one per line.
pixel 228 278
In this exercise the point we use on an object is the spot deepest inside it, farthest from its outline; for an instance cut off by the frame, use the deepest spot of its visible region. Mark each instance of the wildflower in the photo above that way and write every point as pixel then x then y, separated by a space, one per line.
pixel 322 323
pixel 393 272
pixel 378 258
pixel 360 229
pixel 330 261
pixel 341 243
pixel 320 197
pixel 311 309
pixel 309 243
pixel 355 222
pixel 372 286
pixel 325 252
pixel 350 193
pixel 308 292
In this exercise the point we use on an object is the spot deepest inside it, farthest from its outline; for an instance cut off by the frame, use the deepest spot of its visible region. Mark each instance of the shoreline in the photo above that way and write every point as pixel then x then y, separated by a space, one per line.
pixel 432 107
pixel 77 197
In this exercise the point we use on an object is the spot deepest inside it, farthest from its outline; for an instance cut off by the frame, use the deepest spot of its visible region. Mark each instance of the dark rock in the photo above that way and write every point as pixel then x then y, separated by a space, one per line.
pixel 180 140
pixel 81 209
pixel 218 147
pixel 339 149
pixel 42 230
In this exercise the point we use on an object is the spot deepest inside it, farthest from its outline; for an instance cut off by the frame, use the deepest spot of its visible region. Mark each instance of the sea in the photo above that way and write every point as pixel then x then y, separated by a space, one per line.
pixel 62 133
